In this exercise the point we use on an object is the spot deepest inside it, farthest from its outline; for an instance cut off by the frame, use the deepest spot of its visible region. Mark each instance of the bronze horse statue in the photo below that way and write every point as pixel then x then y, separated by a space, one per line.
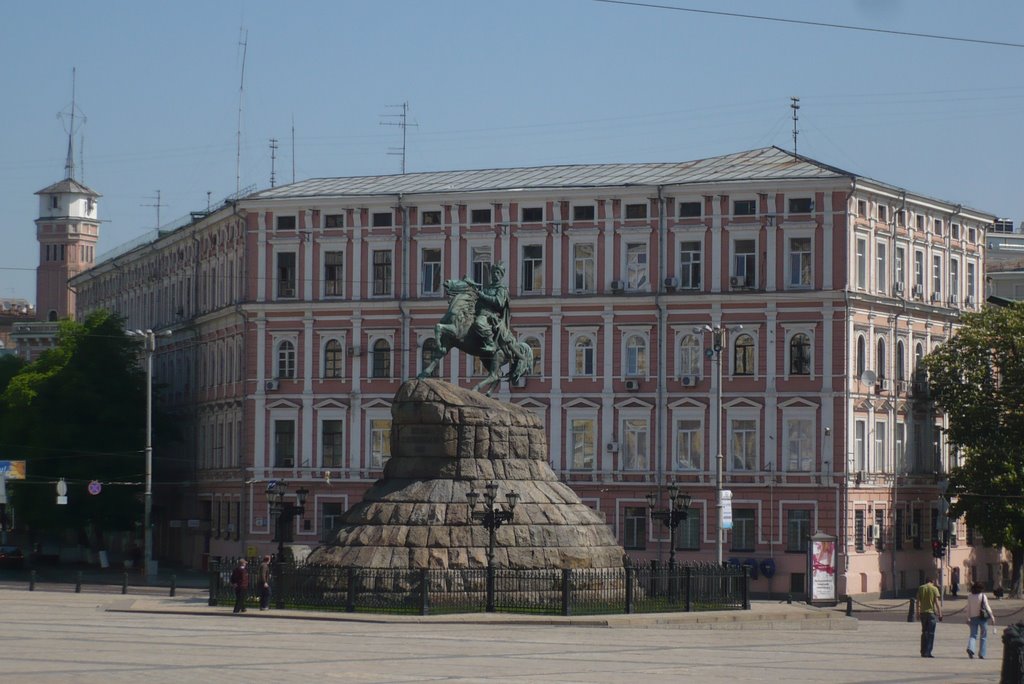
pixel 457 331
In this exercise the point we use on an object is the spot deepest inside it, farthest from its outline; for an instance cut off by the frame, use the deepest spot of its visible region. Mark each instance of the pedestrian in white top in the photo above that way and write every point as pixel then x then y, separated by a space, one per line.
pixel 979 615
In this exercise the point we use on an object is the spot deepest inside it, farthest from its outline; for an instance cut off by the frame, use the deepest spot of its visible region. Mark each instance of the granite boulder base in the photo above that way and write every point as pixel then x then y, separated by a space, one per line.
pixel 446 440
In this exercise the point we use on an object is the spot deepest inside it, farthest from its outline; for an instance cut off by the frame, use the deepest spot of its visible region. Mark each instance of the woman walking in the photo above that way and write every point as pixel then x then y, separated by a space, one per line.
pixel 979 615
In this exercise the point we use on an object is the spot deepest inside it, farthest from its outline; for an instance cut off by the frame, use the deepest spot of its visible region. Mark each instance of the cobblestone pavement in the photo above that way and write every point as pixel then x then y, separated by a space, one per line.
pixel 57 636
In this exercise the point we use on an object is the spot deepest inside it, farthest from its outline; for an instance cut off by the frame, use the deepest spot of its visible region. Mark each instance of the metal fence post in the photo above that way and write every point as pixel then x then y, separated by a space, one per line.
pixel 78 582
pixel 280 584
pixel 124 582
pixel 849 606
pixel 688 588
pixel 653 591
pixel 629 589
pixel 490 589
pixel 350 591
pixel 424 591
pixel 910 611
pixel 214 583
pixel 566 591
pixel 746 586
pixel 174 582
pixel 32 581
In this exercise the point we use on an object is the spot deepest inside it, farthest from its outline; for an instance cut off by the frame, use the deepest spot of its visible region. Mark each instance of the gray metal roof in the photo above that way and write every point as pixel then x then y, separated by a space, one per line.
pixel 769 163
pixel 69 185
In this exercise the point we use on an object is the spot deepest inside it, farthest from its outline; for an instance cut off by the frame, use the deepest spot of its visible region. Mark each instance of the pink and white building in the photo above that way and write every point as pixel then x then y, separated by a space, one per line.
pixel 296 313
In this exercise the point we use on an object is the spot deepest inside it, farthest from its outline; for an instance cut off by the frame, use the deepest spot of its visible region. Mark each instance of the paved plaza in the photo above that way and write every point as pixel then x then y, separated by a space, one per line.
pixel 60 636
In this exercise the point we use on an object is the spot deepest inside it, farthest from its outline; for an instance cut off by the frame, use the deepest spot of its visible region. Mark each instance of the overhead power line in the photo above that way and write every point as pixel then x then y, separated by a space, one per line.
pixel 820 24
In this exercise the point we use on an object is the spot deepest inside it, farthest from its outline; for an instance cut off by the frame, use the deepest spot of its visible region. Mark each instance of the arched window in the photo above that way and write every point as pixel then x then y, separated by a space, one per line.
pixel 429 354
pixel 743 355
pixel 636 355
pixel 538 358
pixel 690 358
pixel 918 355
pixel 880 358
pixel 286 360
pixel 901 361
pixel 862 361
pixel 381 359
pixel 584 353
pixel 800 354
pixel 332 359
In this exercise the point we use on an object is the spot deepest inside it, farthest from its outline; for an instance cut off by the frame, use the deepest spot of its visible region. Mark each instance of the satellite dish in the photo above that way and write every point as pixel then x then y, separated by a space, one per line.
pixel 868 377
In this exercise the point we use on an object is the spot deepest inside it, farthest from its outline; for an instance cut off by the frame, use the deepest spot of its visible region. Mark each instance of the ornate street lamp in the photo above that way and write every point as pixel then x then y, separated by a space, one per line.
pixel 284 512
pixel 491 517
pixel 678 504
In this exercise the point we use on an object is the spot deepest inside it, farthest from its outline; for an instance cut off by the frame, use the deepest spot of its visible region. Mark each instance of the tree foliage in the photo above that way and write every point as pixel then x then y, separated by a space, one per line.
pixel 977 378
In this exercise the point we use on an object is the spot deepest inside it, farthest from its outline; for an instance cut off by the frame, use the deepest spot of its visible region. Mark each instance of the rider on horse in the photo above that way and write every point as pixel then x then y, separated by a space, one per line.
pixel 492 314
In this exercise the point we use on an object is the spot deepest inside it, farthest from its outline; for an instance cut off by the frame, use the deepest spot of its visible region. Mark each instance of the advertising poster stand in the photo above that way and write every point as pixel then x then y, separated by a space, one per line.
pixel 821 570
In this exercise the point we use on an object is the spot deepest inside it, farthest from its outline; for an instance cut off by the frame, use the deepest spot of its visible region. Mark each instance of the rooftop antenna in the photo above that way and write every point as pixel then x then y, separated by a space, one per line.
pixel 156 204
pixel 81 158
pixel 403 123
pixel 293 148
pixel 795 105
pixel 68 116
pixel 208 193
pixel 244 42
pixel 273 160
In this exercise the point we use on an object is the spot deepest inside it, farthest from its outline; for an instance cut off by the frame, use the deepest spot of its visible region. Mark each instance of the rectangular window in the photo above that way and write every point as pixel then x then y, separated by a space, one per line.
pixel 333 282
pixel 382 219
pixel 382 271
pixel 938 226
pixel 744 263
pixel 798 530
pixel 899 528
pixel 744 208
pixel 918 532
pixel 899 455
pixel 883 213
pixel 972 235
pixel 431 268
pixel 881 267
pixel 919 219
pixel 636 211
pixel 634 528
pixel 284 443
pixel 862 263
pixel 583 267
pixel 954 280
pixel 743 529
pixel 919 270
pixel 881 447
pixel 690 210
pixel 801 205
pixel 937 274
pixel 332 443
pixel 880 528
pixel 689 445
pixel 582 444
pixel 860 445
pixel 800 262
pixel 743 444
pixel 899 274
pixel 532 214
pixel 634 453
pixel 970 281
pixel 54 202
pixel 533 268
pixel 380 442
pixel 330 519
pixel 689 265
pixel 286 223
pixel 636 265
pixel 286 275
pixel 334 221
pixel 480 216
pixel 858 530
pixel 482 265
pixel 799 445
pixel 430 218
pixel 688 532
pixel 862 208
pixel 583 212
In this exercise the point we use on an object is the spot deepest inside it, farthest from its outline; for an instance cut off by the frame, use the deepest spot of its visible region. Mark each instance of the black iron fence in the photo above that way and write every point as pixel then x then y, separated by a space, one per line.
pixel 647 589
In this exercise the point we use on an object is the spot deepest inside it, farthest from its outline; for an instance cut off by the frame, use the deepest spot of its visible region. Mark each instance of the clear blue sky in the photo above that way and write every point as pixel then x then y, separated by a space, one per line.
pixel 493 84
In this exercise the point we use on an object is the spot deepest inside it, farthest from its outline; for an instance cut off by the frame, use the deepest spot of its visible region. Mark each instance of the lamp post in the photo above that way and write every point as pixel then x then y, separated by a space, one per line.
pixel 678 504
pixel 149 348
pixel 491 517
pixel 284 511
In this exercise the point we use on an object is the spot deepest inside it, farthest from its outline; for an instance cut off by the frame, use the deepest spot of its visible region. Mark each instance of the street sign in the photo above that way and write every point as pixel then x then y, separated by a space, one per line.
pixel 95 487
pixel 13 470
pixel 726 509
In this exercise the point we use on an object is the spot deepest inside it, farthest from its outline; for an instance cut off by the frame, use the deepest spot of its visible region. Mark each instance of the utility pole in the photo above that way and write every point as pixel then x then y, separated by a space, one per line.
pixel 402 123
pixel 795 106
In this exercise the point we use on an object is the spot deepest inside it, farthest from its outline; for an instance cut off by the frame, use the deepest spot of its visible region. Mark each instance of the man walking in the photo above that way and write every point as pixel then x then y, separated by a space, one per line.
pixel 929 612
pixel 263 577
pixel 240 583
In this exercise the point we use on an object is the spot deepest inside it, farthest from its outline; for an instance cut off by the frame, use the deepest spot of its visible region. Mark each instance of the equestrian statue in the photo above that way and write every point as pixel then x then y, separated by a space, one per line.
pixel 477 323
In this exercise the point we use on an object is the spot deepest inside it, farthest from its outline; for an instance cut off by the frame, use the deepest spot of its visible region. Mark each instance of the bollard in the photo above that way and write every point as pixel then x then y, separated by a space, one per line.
pixel 789 598
pixel 174 580
pixel 1012 671
pixel 910 612
pixel 849 606
pixel 78 582
pixel 32 581
pixel 124 582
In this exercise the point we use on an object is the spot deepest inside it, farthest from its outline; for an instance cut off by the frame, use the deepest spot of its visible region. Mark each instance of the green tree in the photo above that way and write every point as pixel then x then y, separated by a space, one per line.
pixel 977 378
pixel 78 413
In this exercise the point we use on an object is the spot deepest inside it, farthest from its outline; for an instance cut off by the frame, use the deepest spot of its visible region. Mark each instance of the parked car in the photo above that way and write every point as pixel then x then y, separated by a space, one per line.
pixel 11 557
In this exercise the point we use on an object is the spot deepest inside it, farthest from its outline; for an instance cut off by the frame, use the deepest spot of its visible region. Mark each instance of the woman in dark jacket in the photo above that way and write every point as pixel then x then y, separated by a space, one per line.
pixel 240 583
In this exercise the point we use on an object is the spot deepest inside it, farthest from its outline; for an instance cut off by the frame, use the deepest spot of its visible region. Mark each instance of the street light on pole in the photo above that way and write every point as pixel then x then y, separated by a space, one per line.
pixel 678 504
pixel 491 517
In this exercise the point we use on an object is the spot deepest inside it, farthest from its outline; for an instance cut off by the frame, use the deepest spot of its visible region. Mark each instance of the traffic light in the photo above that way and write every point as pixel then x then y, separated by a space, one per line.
pixel 937 550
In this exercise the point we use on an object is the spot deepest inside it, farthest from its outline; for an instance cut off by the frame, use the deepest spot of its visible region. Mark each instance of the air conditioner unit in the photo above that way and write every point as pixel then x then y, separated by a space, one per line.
pixel 688 380
pixel 881 386
pixel 871 532
pixel 912 531
pixel 969 301
pixel 354 351
pixel 918 291
pixel 618 286
pixel 270 385
pixel 737 281
pixel 898 288
pixel 671 283
pixel 632 385
pixel 953 300
pixel 936 297
pixel 612 446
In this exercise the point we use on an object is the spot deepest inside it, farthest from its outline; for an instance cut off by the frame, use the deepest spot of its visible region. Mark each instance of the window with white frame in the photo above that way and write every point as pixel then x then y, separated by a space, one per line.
pixel 690 209
pixel 862 263
pixel 635 444
pixel 333 272
pixel 382 272
pixel 937 274
pixel 636 211
pixel 332 359
pixel 799 441
pixel 582 436
pixel 691 358
pixel 481 263
pixel 380 441
pixel 919 270
pixel 690 264
pixel 286 359
pixel 430 269
pixel 689 444
pixel 583 212
pixel 800 354
pixel 743 356
pixel 745 207
pixel 744 262
pixel 743 444
pixel 743 529
pixel 881 447
pixel 533 269
pixel 284 443
pixel 901 361
pixel 954 280
pixel 636 265
pixel 899 268
pixel 798 530
pixel 862 355
pixel 882 213
pixel 860 446
pixel 899 448
pixel 880 359
pixel 583 267
pixel 478 216
pixel 332 443
pixel 688 532
pixel 970 280
pixel 634 528
pixel 381 362
pixel 800 262
pixel 430 218
pixel 881 268
pixel 583 353
pixel 286 275
pixel 334 220
pixel 636 355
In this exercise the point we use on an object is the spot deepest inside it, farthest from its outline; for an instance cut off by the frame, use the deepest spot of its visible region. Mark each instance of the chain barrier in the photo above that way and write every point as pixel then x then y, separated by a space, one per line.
pixel 880 609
